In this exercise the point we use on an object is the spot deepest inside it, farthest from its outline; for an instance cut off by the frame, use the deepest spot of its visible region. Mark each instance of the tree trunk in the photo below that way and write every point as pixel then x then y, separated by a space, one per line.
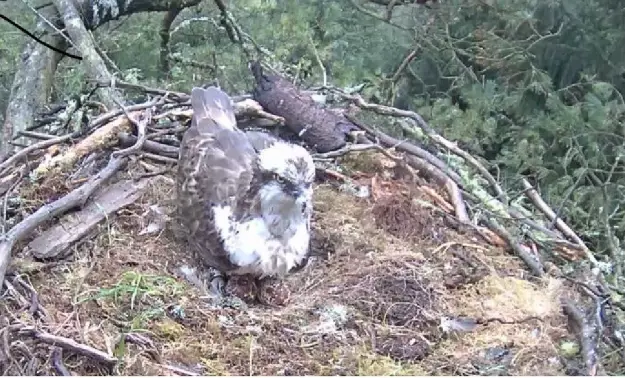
pixel 33 80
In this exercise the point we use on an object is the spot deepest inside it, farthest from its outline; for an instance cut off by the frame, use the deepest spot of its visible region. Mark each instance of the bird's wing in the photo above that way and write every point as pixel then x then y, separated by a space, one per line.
pixel 215 168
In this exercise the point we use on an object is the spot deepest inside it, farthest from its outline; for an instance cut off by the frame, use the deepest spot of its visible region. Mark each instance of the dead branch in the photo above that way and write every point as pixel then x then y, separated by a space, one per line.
pixel 178 96
pixel 159 158
pixel 243 108
pixel 407 147
pixel 180 370
pixel 587 336
pixel 409 58
pixel 34 147
pixel 102 138
pixel 560 224
pixel 73 227
pixel 319 128
pixel 107 117
pixel 65 343
pixel 533 263
pixel 433 167
pixel 57 362
pixel 141 126
pixel 432 134
pixel 35 306
pixel 166 150
pixel 76 198
pixel 353 148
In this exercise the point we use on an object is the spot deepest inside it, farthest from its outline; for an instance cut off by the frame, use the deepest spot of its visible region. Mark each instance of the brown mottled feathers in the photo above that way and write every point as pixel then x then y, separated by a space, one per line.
pixel 260 139
pixel 215 168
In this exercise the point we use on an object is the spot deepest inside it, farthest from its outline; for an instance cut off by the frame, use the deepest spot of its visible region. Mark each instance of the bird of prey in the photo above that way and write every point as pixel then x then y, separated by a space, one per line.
pixel 244 200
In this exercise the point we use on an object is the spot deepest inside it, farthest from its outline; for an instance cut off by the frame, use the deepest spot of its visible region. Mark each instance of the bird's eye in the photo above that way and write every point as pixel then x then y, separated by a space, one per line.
pixel 278 178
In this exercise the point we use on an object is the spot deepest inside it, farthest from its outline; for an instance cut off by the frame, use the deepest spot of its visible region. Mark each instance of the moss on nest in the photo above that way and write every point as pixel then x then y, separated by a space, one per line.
pixel 391 285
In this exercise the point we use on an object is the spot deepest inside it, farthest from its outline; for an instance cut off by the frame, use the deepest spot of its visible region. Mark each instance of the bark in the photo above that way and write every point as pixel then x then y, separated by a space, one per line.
pixel 77 198
pixel 33 81
pixel 74 227
pixel 92 61
pixel 321 129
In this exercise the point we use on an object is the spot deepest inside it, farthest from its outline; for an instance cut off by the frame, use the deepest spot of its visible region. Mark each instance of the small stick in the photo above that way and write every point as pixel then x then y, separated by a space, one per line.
pixel 560 224
pixel 65 343
pixel 57 362
pixel 534 265
pixel 587 338
pixel 34 147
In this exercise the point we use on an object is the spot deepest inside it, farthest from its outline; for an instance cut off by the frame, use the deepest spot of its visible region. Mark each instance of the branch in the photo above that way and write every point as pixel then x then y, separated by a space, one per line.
pixel 33 147
pixel 75 198
pixel 57 363
pixel 141 134
pixel 587 336
pixel 166 150
pixel 65 343
pixel 438 139
pixel 407 147
pixel 101 139
pixel 73 227
pixel 533 263
pixel 560 224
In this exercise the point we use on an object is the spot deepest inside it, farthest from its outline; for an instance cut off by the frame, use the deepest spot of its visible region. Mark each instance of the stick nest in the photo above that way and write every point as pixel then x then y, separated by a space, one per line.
pixel 370 302
pixel 393 287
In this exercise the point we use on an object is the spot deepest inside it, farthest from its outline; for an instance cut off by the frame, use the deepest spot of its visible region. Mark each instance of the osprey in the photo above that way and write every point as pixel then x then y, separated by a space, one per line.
pixel 244 200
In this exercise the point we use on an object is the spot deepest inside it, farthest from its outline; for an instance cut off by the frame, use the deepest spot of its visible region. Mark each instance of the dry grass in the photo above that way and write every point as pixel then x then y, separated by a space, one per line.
pixel 369 303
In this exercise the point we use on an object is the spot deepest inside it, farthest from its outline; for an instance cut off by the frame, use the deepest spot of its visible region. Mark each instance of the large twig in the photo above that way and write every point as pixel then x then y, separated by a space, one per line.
pixel 432 134
pixel 33 147
pixel 141 134
pixel 57 362
pixel 587 336
pixel 432 166
pixel 533 263
pixel 408 147
pixel 75 226
pixel 65 343
pixel 150 146
pixel 102 138
pixel 560 224
pixel 76 198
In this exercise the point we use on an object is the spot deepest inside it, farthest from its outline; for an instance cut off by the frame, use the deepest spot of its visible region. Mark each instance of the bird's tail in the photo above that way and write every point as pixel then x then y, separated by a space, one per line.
pixel 212 104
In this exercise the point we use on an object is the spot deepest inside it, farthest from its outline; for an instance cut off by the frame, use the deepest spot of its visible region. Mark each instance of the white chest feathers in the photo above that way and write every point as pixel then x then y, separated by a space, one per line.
pixel 255 250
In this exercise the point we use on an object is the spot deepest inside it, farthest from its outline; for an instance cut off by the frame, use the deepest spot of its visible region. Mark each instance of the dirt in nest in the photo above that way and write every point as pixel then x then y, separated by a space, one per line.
pixel 370 302
pixel 401 217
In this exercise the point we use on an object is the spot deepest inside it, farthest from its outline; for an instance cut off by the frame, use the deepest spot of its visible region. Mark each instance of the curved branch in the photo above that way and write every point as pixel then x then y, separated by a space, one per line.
pixel 432 134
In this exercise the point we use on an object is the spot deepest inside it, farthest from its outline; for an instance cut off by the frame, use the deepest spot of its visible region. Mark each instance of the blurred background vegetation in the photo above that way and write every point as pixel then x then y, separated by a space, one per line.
pixel 533 87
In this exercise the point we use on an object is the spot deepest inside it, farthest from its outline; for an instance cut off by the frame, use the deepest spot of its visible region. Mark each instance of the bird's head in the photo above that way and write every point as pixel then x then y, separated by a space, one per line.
pixel 288 173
